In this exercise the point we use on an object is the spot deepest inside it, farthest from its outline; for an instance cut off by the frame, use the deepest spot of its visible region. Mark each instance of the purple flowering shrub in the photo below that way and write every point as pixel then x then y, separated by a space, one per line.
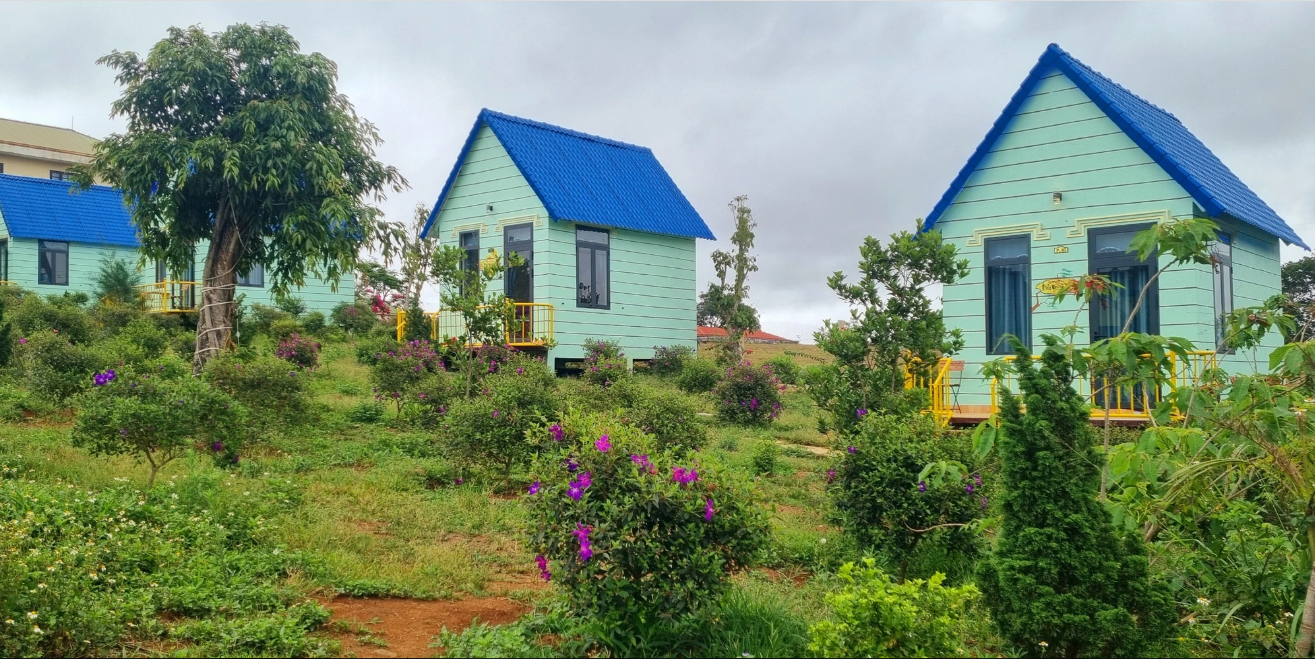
pixel 401 368
pixel 637 537
pixel 57 369
pixel 670 360
pixel 489 428
pixel 885 500
pixel 748 395
pixel 274 393
pixel 299 350
pixel 157 420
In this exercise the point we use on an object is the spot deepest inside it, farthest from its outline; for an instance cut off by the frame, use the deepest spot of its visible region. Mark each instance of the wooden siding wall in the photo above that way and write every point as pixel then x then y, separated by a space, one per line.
pixel 653 284
pixel 1059 141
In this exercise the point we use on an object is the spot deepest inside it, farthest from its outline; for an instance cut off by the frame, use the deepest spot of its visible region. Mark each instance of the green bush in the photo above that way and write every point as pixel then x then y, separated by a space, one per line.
pixel 784 368
pixel 156 420
pixel 604 363
pixel 273 392
pixel 183 344
pixel 370 349
pixel 764 457
pixel 670 360
pixel 116 281
pixel 670 417
pixel 366 411
pixel 291 305
pixel 354 317
pixel 262 317
pixel 314 322
pixel 489 429
pixel 16 404
pixel 190 552
pixel 54 314
pixel 748 395
pixel 397 372
pixel 637 539
pixel 56 368
pixel 417 326
pixel 880 500
pixel 146 335
pixel 432 397
pixel 875 617
pixel 1061 572
pixel 282 330
pixel 600 349
pixel 299 350
pixel 699 376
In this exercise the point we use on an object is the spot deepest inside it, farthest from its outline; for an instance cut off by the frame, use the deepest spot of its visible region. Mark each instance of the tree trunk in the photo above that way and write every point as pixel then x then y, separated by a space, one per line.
pixel 1307 631
pixel 214 323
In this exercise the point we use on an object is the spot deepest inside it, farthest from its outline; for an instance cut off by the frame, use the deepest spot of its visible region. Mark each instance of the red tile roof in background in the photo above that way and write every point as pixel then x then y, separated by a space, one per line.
pixel 713 333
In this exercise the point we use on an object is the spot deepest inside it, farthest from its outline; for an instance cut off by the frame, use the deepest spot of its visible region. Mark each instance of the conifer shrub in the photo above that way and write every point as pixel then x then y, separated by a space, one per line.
pixel 880 499
pixel 637 538
pixel 670 360
pixel 299 350
pixel 274 393
pixel 748 395
pixel 872 616
pixel 699 376
pixel 156 420
pixel 1061 581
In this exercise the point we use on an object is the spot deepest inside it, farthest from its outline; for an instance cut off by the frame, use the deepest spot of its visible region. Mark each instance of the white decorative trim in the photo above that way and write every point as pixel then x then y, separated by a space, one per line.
pixel 483 228
pixel 1081 225
pixel 1038 232
pixel 533 217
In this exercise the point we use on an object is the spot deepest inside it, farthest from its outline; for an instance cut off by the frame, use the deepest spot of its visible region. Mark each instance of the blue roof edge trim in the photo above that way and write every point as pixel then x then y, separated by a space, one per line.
pixel 1081 75
pixel 452 177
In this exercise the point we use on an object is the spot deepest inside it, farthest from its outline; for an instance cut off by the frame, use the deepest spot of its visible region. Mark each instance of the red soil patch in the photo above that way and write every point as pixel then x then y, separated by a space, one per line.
pixel 408 626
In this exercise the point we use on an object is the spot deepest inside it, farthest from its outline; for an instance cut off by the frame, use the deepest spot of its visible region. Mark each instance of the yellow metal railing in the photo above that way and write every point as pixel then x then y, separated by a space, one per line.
pixel 531 325
pixel 1125 401
pixel 169 296
pixel 938 390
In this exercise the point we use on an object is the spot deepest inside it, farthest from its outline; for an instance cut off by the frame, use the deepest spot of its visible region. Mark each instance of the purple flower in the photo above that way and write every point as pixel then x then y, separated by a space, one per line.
pixel 123 431
pixel 534 489
pixel 968 488
pixel 292 374
pixel 683 476
pixel 495 414
pixel 217 446
pixel 983 503
pixel 642 461
pixel 578 486
pixel 830 475
pixel 922 486
pixel 708 511
pixel 581 533
pixel 571 464
pixel 603 444
pixel 852 450
pixel 861 413
pixel 753 404
pixel 22 342
pixel 543 567
pixel 556 431
pixel 520 370
pixel 978 479
pixel 460 480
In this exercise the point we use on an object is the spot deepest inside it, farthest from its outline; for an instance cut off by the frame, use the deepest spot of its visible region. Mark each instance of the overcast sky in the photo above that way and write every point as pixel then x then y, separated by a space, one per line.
pixel 838 120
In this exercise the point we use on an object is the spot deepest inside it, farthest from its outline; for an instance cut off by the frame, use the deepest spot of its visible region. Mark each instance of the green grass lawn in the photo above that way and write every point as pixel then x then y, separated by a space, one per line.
pixel 375 510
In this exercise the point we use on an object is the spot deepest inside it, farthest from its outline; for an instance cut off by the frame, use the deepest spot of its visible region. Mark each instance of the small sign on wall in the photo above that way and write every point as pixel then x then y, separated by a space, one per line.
pixel 1062 249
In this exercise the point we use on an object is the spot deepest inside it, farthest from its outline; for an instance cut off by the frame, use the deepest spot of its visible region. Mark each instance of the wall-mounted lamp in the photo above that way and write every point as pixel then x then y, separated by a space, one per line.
pixel 1055 197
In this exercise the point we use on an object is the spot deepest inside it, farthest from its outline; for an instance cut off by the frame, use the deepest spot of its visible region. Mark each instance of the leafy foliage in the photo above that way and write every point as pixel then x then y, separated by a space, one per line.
pixel 274 395
pixel 156 420
pixel 748 395
pixel 892 328
pixel 699 376
pixel 636 538
pixel 725 299
pixel 1060 573
pixel 875 617
pixel 784 368
pixel 399 371
pixel 670 360
pixel 353 317
pixel 886 500
pixel 670 417
pixel 208 155
pixel 489 429
pixel 299 350
pixel 116 281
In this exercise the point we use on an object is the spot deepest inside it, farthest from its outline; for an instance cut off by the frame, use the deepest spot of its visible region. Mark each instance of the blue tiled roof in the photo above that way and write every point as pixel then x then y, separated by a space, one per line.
pixel 1165 139
pixel 58 210
pixel 590 179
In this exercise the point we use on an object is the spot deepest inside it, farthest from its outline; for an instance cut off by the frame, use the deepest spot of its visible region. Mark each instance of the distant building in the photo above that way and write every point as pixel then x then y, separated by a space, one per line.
pixel 718 334
pixel 41 151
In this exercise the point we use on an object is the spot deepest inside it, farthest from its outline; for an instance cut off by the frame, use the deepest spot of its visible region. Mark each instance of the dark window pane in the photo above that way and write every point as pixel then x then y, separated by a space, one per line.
pixel 1111 311
pixel 1110 244
pixel 1007 248
pixel 470 239
pixel 1009 312
pixel 600 277
pixel 254 278
pixel 584 276
pixel 520 233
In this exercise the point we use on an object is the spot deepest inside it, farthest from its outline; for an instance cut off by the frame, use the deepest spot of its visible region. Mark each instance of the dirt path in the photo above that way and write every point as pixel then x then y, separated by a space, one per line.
pixel 396 627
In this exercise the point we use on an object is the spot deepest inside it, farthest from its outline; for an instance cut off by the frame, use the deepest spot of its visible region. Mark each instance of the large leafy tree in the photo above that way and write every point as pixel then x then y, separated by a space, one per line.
pixel 725 298
pixel 1299 285
pixel 240 139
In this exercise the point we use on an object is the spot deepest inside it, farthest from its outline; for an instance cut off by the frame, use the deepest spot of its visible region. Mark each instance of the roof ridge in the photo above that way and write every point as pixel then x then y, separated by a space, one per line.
pixel 564 131
pixel 33 123
pixel 1087 69
pixel 66 183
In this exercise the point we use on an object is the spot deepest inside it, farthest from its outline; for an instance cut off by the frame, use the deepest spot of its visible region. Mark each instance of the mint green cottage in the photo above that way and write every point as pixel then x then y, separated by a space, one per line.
pixel 607 238
pixel 54 237
pixel 1074 166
